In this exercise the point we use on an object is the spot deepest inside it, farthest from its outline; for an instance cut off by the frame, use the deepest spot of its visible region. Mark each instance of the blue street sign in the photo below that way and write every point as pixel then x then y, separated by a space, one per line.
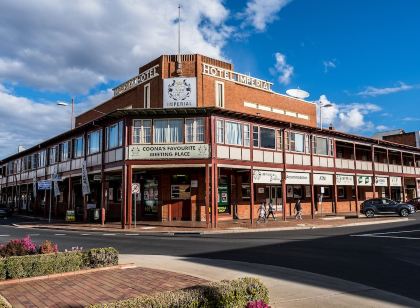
pixel 44 185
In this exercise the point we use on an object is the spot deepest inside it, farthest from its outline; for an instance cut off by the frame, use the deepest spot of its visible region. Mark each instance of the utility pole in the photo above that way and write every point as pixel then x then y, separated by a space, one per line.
pixel 178 60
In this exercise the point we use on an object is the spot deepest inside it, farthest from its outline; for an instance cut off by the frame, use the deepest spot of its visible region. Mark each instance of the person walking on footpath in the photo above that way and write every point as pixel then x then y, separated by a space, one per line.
pixel 298 210
pixel 271 210
pixel 261 213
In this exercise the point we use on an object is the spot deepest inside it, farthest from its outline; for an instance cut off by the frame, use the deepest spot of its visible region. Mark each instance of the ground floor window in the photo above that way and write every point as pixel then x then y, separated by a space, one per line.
pixel 150 197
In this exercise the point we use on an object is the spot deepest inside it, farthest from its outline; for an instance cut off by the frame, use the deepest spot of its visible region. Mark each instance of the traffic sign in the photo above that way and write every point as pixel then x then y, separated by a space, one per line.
pixel 135 188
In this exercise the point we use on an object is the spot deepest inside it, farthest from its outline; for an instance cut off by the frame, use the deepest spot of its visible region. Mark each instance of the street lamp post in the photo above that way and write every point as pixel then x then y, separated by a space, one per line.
pixel 321 105
pixel 72 111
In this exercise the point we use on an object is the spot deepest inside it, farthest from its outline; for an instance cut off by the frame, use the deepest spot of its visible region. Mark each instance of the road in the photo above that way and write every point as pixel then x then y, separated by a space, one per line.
pixel 385 256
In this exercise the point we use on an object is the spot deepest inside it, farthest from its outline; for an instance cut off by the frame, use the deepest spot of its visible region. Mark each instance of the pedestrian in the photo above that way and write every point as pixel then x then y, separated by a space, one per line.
pixel 298 210
pixel 271 210
pixel 261 213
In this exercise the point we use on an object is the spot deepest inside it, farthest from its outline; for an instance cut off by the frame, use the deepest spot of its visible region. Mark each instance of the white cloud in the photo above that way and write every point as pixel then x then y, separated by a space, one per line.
pixel 383 128
pixel 347 117
pixel 329 64
pixel 411 119
pixel 373 91
pixel 75 45
pixel 259 13
pixel 283 69
pixel 27 122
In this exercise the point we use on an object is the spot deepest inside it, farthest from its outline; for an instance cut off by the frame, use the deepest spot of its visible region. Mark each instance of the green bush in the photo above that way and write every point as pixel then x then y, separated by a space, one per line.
pixel 232 294
pixel 4 303
pixel 45 264
pixel 100 257
pixel 2 268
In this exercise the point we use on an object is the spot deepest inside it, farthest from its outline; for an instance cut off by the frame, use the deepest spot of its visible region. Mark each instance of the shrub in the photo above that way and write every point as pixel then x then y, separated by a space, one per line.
pixel 48 247
pixel 4 303
pixel 44 264
pixel 100 257
pixel 2 268
pixel 22 247
pixel 238 293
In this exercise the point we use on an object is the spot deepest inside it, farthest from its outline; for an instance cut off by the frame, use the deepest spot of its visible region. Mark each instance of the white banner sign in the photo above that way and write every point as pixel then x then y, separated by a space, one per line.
pixel 395 181
pixel 266 177
pixel 180 151
pixel 179 92
pixel 344 180
pixel 364 180
pixel 381 181
pixel 85 179
pixel 323 179
pixel 297 178
pixel 139 79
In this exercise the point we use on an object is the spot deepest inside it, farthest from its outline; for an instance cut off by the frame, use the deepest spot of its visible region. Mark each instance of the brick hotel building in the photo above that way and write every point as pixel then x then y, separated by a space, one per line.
pixel 196 135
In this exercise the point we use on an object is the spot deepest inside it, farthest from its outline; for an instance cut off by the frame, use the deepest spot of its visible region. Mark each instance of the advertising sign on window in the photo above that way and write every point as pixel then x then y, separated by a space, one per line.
pixel 179 92
pixel 323 179
pixel 395 181
pixel 297 178
pixel 266 177
pixel 381 181
pixel 364 180
pixel 344 180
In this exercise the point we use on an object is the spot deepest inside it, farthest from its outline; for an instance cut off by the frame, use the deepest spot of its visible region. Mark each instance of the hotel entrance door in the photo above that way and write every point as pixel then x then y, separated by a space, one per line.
pixel 273 195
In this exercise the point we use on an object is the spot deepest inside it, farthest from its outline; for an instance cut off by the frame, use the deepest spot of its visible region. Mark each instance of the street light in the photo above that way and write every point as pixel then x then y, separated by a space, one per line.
pixel 63 104
pixel 321 105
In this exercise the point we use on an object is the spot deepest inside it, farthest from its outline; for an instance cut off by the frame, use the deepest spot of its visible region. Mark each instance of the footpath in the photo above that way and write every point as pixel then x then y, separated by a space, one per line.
pixel 288 287
pixel 235 226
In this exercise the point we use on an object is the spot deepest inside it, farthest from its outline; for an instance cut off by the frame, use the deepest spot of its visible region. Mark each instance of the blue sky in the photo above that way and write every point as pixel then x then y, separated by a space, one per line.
pixel 360 56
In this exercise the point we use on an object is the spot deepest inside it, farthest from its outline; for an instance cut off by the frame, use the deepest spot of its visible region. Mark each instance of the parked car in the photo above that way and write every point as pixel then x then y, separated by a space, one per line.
pixel 376 206
pixel 5 211
pixel 416 203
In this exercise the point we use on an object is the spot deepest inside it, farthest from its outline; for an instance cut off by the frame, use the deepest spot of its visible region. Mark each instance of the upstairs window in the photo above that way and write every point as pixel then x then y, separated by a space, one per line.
pixel 247 135
pixel 146 98
pixel 220 94
pixel 142 131
pixel 114 135
pixel 296 142
pixel 78 147
pixel 194 130
pixel 94 142
pixel 267 138
pixel 233 133
pixel 220 128
pixel 65 151
pixel 168 131
pixel 256 136
pixel 53 155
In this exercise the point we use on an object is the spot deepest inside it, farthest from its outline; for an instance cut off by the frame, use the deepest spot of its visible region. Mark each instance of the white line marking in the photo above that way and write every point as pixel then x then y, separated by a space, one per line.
pixel 107 234
pixel 131 234
pixel 386 236
pixel 60 234
pixel 395 232
pixel 5 235
pixel 34 234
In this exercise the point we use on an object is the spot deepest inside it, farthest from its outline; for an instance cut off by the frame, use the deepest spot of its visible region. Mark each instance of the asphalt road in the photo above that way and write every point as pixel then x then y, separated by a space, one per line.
pixel 385 256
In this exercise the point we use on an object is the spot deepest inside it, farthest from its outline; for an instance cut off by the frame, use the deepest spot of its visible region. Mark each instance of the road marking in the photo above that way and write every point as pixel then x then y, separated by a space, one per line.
pixel 107 234
pixel 4 235
pixel 84 234
pixel 60 234
pixel 34 234
pixel 391 234
pixel 131 234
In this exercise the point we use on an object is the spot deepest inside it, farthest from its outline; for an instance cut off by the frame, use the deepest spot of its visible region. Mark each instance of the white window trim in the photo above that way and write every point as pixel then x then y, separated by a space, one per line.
pixel 304 143
pixel 194 132
pixel 217 83
pixel 142 131
pixel 146 96
pixel 225 132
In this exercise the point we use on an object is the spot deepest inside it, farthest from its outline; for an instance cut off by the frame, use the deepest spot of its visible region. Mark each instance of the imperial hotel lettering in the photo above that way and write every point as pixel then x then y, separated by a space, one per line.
pixel 222 73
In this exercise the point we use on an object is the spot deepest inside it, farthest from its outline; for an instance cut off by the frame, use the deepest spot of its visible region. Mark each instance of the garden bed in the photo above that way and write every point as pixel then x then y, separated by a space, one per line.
pixel 242 292
pixel 23 259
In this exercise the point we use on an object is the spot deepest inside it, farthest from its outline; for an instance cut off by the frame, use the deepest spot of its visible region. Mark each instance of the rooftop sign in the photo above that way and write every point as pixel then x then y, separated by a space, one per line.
pixel 249 81
pixel 139 79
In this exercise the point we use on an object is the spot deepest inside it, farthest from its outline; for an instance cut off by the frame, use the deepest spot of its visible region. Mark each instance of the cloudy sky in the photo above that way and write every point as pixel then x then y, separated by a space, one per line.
pixel 360 56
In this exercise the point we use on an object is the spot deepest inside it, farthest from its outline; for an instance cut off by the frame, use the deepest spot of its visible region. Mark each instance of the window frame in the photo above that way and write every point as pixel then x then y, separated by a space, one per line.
pixel 194 129
pixel 259 137
pixel 89 152
pixel 146 96
pixel 74 146
pixel 120 135
pixel 289 142
pixel 141 134
pixel 242 133
pixel 220 104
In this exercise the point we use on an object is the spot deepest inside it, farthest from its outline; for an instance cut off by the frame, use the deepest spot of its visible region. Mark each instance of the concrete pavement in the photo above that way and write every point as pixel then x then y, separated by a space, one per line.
pixel 288 287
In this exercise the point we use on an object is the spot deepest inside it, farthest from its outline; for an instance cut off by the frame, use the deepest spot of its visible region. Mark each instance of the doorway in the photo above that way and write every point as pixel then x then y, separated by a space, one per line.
pixel 273 194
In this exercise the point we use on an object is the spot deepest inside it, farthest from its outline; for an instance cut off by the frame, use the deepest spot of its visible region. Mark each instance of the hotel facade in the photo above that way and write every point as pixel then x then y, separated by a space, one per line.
pixel 188 138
